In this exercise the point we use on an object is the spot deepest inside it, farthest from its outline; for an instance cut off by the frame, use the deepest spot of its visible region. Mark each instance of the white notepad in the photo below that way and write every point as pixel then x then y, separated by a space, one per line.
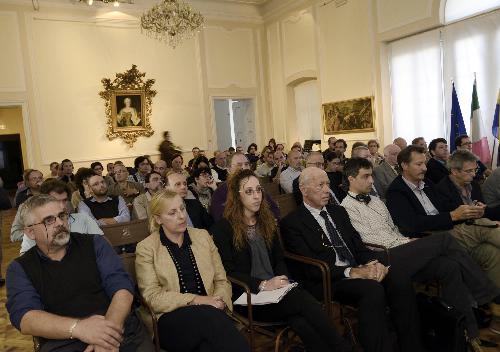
pixel 265 297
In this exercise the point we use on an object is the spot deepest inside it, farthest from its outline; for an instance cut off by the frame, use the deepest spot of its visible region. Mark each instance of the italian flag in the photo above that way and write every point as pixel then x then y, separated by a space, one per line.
pixel 480 145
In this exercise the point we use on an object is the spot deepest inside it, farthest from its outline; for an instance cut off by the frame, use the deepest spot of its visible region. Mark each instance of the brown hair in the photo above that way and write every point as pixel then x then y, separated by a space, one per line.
pixel 234 212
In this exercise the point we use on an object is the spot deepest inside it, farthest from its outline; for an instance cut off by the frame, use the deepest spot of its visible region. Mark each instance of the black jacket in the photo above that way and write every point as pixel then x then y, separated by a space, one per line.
pixel 302 235
pixel 238 264
pixel 409 215
pixel 436 171
pixel 198 215
pixel 451 198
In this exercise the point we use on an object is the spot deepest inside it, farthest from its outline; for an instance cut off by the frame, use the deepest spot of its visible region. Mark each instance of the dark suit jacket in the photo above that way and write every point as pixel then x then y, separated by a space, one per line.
pixel 436 171
pixel 409 215
pixel 301 234
pixel 451 198
pixel 198 215
pixel 238 263
pixel 335 186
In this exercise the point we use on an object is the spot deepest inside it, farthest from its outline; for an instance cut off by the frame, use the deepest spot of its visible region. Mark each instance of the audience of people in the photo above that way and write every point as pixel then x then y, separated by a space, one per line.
pixel 436 215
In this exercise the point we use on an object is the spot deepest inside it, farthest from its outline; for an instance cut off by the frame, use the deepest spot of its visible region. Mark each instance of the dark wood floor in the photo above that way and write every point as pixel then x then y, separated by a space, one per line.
pixel 12 341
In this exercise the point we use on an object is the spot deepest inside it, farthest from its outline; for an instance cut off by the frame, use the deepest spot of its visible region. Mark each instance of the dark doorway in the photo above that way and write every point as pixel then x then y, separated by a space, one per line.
pixel 11 160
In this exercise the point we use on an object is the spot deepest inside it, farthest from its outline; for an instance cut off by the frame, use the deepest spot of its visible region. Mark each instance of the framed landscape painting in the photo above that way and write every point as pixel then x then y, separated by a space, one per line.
pixel 348 116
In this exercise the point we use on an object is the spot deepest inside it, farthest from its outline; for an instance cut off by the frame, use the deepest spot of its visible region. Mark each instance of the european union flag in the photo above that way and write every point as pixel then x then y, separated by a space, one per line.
pixel 457 126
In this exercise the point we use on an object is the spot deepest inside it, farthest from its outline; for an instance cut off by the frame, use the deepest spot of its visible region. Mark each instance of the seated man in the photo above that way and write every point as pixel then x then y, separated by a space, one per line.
pixel 154 184
pixel 67 175
pixel 434 257
pixel 264 169
pixel 160 167
pixel 416 208
pixel 280 166
pixel 197 214
pixel 324 232
pixel 436 166
pixel 78 222
pixel 123 186
pixel 71 289
pixel 220 166
pixel 292 172
pixel 142 167
pixel 313 159
pixel 237 161
pixel 463 142
pixel 460 186
pixel 387 171
pixel 106 210
pixel 491 189
pixel 32 180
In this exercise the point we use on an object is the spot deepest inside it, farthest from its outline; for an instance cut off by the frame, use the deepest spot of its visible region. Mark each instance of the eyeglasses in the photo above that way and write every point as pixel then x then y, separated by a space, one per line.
pixel 470 171
pixel 51 220
pixel 250 191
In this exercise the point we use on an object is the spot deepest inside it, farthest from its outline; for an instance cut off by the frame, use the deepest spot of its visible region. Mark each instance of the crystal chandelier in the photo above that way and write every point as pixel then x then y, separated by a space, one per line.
pixel 116 3
pixel 171 21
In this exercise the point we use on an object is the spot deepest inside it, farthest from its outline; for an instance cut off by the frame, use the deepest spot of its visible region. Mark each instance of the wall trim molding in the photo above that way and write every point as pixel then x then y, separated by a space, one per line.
pixel 26 125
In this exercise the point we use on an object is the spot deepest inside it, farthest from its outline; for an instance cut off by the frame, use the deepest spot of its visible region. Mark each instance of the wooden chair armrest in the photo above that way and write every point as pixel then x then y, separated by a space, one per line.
pixel 151 313
pixel 379 246
pixel 325 275
pixel 245 288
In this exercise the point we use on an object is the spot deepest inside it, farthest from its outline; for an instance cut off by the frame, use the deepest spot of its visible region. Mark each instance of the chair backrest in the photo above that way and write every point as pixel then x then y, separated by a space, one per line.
pixel 126 233
pixel 128 260
pixel 271 188
pixel 263 180
pixel 286 203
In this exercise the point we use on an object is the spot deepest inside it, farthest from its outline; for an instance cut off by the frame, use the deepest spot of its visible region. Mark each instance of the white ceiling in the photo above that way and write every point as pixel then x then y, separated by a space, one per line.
pixel 251 2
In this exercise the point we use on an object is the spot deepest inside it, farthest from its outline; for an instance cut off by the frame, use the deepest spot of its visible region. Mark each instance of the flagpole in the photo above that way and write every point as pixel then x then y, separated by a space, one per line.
pixel 493 152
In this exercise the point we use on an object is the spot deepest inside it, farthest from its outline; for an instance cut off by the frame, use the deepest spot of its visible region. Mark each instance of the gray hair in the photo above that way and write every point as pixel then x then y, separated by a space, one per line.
pixel 458 158
pixel 355 151
pixel 311 154
pixel 32 203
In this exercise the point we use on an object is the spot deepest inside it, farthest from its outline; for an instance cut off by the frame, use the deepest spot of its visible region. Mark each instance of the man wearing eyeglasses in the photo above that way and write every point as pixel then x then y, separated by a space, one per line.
pixel 32 180
pixel 70 289
pixel 78 222
pixel 463 142
pixel 292 172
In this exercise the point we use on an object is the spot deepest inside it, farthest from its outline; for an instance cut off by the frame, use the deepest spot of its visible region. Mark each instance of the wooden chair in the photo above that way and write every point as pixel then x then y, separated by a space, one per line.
pixel 280 332
pixel 286 204
pixel 271 188
pixel 127 233
pixel 264 180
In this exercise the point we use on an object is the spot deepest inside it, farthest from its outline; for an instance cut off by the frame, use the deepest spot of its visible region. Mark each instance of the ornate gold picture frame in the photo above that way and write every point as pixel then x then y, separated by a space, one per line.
pixel 349 116
pixel 128 99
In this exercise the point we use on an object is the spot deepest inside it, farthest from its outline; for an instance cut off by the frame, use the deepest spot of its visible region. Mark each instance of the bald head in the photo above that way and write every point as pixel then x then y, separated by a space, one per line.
pixel 391 152
pixel 400 142
pixel 315 159
pixel 315 187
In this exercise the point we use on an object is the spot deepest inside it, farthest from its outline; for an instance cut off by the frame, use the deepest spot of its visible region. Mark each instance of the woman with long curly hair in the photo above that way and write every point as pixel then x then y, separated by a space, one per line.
pixel 251 252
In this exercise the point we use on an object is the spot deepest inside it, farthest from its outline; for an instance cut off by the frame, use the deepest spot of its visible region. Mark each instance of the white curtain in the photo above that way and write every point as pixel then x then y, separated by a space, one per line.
pixel 422 68
pixel 307 111
pixel 473 46
pixel 417 87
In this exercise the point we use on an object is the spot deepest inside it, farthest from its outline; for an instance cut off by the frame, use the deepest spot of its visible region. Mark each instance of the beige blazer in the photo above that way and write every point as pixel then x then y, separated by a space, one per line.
pixel 158 280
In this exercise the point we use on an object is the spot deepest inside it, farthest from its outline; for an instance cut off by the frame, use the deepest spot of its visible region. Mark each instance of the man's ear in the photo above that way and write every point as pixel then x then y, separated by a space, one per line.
pixel 30 232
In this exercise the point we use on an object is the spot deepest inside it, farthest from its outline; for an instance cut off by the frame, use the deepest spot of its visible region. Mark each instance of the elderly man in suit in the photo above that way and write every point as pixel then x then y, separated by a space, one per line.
pixel 324 232
pixel 387 171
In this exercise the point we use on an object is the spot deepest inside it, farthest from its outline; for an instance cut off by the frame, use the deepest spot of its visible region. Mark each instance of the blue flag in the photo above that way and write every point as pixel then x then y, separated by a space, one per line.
pixel 457 126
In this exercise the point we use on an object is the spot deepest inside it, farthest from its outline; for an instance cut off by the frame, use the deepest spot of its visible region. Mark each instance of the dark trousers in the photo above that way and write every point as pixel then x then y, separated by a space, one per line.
pixel 201 329
pixel 306 317
pixel 439 257
pixel 135 339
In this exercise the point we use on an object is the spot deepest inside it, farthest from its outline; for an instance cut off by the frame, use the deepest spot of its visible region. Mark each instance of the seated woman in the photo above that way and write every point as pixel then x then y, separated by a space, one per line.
pixel 180 275
pixel 123 187
pixel 251 252
pixel 203 186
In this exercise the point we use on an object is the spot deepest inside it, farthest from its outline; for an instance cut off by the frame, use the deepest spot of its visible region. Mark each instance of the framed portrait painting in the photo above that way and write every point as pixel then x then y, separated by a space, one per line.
pixel 128 109
pixel 349 116
pixel 128 99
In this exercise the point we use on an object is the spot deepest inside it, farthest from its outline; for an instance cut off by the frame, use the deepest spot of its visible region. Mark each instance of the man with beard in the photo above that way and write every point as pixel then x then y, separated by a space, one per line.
pixel 93 311
pixel 154 184
pixel 106 210
pixel 78 222
pixel 32 179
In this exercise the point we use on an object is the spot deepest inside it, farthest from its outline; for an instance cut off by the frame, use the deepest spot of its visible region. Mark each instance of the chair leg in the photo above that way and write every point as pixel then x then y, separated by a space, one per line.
pixel 277 344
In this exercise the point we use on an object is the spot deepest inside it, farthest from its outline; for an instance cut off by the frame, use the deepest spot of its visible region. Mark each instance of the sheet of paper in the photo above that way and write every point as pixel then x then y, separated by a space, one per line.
pixel 265 297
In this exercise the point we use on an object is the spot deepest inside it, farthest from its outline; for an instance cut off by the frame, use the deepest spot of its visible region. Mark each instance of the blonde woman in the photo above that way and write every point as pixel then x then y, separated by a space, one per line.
pixel 180 274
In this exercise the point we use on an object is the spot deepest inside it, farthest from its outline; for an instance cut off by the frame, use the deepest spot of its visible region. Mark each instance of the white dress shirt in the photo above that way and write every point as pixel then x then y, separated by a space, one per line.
pixel 373 221
pixel 430 209
pixel 287 177
pixel 321 222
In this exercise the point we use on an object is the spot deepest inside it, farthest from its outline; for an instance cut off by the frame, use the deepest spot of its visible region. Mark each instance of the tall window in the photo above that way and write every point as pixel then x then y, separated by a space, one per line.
pixel 423 66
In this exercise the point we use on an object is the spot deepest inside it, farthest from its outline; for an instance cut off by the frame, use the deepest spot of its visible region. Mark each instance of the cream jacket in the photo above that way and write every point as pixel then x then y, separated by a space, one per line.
pixel 158 280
